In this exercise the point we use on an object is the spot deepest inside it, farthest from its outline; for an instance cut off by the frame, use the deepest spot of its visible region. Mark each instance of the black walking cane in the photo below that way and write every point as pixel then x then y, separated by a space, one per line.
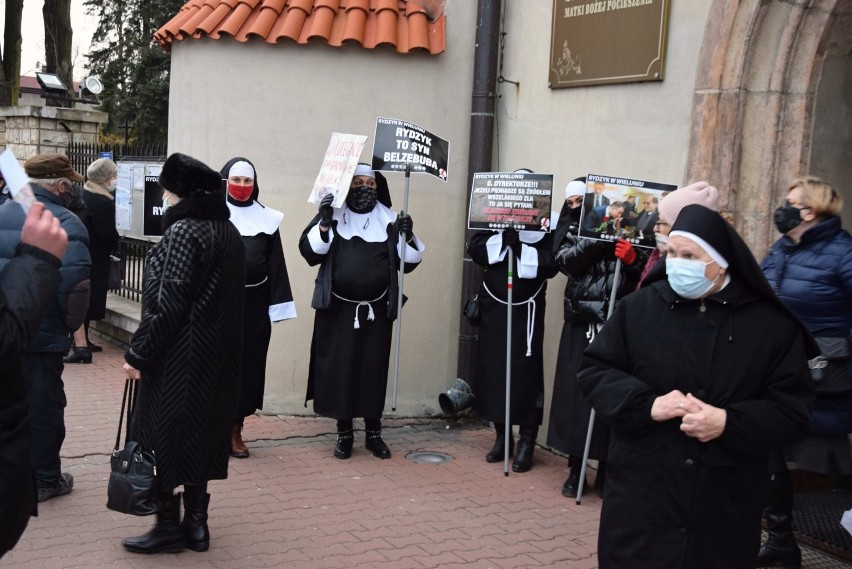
pixel 616 277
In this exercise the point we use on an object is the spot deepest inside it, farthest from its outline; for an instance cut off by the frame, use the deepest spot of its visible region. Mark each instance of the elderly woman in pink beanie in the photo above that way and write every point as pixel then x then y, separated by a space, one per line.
pixel 698 193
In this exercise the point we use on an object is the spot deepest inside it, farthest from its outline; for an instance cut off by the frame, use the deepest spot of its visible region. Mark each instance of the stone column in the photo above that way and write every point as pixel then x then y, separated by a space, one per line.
pixel 29 130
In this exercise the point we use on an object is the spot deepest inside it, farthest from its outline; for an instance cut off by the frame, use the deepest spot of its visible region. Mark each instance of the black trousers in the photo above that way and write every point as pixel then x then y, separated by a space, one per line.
pixel 47 397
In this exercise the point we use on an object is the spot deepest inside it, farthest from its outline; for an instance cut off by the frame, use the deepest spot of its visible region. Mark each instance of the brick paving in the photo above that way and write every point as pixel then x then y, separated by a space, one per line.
pixel 292 504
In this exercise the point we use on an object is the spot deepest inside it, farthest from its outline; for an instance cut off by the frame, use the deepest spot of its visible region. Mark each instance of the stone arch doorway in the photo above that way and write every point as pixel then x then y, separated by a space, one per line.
pixel 773 100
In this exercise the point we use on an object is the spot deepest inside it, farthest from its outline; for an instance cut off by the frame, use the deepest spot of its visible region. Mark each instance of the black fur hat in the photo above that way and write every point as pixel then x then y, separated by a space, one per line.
pixel 183 176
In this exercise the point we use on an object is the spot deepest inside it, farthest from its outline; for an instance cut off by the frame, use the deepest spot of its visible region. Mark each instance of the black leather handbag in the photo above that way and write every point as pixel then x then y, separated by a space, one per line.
pixel 133 468
pixel 471 308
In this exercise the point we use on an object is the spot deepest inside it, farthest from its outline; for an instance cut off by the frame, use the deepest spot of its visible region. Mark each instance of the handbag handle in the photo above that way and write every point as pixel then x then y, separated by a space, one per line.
pixel 126 403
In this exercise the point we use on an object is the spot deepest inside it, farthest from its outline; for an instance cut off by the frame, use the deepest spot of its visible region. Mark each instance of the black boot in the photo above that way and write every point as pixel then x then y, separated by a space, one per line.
pixel 375 443
pixel 78 356
pixel 526 446
pixel 497 452
pixel 166 535
pixel 194 527
pixel 345 438
pixel 572 484
pixel 780 549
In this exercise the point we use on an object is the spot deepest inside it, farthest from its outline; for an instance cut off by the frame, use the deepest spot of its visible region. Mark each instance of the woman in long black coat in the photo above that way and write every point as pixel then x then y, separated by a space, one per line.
pixel 99 219
pixel 716 380
pixel 187 351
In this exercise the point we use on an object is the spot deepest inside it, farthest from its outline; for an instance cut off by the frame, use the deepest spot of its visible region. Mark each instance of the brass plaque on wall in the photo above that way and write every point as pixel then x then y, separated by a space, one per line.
pixel 596 42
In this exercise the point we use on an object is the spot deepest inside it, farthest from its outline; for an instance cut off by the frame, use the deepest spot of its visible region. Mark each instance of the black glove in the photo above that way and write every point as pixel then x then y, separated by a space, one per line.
pixel 405 225
pixel 326 210
pixel 512 240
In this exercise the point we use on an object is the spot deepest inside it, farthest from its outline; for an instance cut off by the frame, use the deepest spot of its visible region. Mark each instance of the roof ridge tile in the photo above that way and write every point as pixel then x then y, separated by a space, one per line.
pixel 404 25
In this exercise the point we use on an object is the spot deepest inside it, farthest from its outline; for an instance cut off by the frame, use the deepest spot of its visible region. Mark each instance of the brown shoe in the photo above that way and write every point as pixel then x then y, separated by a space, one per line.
pixel 238 447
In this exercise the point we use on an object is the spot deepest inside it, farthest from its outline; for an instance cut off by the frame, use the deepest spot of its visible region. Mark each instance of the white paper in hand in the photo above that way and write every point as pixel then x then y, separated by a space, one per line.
pixel 17 180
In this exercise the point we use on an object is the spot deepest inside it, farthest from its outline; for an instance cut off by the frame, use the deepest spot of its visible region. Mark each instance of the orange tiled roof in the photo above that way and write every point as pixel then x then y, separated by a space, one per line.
pixel 405 25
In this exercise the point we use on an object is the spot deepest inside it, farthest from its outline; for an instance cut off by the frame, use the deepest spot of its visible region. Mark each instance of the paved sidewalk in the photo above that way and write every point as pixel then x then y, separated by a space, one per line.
pixel 292 504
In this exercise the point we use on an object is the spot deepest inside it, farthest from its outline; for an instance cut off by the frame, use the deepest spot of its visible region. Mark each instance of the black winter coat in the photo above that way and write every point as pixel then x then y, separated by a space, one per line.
pixel 591 266
pixel 28 287
pixel 189 342
pixel 99 218
pixel 670 500
pixel 72 301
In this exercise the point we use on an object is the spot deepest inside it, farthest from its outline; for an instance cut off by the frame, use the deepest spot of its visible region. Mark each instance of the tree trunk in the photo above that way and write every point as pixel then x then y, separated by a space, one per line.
pixel 57 40
pixel 10 72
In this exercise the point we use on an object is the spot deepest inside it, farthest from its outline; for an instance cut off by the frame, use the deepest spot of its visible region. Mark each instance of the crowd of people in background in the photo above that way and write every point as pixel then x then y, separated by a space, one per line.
pixel 708 372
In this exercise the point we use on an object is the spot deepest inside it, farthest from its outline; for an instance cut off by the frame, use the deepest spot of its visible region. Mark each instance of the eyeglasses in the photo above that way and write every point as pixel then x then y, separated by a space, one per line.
pixel 661 224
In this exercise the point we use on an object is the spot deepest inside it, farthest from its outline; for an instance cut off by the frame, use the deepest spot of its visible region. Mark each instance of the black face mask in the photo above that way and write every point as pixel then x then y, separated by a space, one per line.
pixel 574 213
pixel 361 199
pixel 787 217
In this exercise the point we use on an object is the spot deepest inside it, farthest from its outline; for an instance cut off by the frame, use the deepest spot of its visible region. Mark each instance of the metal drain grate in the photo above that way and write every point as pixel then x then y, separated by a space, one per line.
pixel 428 457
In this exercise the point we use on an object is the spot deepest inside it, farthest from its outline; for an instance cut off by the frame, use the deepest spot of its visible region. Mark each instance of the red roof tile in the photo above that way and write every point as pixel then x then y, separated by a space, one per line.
pixel 405 25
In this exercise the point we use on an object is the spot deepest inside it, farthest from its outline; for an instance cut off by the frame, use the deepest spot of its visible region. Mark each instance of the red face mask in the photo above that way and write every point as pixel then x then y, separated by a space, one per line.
pixel 240 193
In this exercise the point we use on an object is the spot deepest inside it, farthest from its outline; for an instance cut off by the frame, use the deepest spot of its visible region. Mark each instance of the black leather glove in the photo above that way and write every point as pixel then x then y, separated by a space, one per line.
pixel 512 240
pixel 326 210
pixel 405 225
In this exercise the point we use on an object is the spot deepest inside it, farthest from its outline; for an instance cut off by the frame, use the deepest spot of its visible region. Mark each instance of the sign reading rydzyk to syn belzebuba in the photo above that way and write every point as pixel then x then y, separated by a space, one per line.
pixel 399 145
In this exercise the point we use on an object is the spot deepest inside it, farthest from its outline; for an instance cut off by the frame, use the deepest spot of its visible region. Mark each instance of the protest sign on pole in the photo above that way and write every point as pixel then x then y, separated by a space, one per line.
pixel 339 163
pixel 517 200
pixel 399 144
pixel 621 208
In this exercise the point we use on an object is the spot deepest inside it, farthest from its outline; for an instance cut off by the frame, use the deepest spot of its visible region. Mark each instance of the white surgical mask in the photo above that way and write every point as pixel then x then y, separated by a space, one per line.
pixel 662 241
pixel 686 277
pixel 113 184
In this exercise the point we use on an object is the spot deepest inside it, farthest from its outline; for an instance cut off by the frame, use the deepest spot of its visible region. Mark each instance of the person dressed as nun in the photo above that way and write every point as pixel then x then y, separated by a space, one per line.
pixel 357 249
pixel 590 266
pixel 268 297
pixel 716 379
pixel 533 266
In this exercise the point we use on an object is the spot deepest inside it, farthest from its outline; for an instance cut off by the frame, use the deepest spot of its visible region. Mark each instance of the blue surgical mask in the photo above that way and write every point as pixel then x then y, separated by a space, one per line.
pixel 166 204
pixel 686 277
